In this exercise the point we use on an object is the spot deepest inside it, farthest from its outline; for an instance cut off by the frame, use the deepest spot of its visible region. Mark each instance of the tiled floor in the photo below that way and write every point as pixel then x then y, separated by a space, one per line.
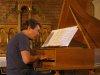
pixel 73 72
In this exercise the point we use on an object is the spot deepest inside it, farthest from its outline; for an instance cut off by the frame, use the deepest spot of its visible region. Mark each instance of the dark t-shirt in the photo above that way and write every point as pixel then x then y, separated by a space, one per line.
pixel 14 60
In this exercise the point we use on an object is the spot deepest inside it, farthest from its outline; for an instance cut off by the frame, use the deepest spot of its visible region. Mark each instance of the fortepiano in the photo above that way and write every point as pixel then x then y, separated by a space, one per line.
pixel 80 54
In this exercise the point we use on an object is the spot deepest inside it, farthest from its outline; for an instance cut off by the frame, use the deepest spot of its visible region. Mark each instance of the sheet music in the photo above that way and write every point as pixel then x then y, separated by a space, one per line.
pixel 60 37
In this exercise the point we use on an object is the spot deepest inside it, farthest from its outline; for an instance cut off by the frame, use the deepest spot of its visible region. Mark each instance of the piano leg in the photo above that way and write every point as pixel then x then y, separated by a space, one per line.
pixel 91 72
pixel 57 73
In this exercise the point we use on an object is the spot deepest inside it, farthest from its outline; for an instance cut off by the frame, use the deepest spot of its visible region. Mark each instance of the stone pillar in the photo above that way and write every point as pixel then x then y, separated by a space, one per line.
pixel 96 8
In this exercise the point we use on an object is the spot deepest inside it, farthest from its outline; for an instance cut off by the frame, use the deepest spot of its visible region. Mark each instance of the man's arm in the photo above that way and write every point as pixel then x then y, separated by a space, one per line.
pixel 27 58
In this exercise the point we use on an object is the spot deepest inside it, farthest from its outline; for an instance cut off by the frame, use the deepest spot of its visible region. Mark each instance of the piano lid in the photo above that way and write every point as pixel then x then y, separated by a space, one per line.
pixel 72 13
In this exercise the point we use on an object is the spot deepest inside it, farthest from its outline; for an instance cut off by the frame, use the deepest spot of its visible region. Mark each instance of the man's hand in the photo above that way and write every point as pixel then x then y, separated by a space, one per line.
pixel 43 57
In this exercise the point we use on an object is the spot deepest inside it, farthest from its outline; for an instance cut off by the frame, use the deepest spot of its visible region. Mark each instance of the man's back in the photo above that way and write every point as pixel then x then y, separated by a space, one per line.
pixel 16 44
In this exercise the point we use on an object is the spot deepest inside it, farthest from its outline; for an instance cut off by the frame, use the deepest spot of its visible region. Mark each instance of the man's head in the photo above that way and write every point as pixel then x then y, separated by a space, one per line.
pixel 31 28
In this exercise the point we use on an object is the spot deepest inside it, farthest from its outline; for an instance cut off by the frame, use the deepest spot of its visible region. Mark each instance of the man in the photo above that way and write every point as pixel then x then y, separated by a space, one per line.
pixel 19 51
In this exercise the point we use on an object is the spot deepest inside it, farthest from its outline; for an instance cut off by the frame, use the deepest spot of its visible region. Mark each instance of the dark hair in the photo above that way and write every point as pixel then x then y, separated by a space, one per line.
pixel 31 22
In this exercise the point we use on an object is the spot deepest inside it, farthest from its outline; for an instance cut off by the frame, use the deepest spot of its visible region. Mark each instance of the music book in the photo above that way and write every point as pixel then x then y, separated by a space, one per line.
pixel 60 37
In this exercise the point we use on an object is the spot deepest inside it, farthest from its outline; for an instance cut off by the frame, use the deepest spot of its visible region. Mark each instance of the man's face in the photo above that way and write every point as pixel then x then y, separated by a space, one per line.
pixel 34 33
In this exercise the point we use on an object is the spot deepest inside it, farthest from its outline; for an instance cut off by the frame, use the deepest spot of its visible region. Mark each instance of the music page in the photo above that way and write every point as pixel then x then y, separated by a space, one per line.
pixel 60 37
